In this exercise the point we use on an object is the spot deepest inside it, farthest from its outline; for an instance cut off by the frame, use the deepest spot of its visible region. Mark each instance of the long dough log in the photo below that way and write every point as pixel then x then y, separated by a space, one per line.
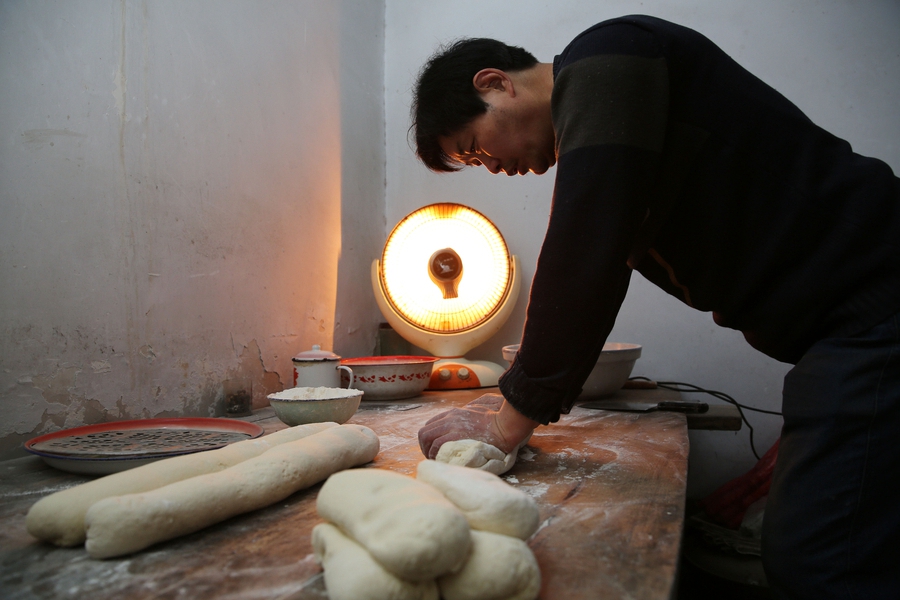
pixel 125 524
pixel 59 518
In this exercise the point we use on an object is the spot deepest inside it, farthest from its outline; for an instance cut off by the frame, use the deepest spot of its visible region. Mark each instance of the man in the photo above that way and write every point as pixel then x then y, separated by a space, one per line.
pixel 674 161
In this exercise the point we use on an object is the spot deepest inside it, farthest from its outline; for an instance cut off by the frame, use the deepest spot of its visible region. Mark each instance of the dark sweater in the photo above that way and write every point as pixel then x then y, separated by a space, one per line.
pixel 676 162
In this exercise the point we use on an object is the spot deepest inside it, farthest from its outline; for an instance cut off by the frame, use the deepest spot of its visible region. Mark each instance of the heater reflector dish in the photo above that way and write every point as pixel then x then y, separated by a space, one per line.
pixel 421 288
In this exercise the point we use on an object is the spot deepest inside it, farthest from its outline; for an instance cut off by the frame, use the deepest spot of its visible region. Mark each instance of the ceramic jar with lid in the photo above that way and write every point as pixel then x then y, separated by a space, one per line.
pixel 319 368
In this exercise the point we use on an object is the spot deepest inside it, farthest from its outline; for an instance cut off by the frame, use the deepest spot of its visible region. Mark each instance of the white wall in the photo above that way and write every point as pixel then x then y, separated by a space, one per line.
pixel 175 184
pixel 838 60
pixel 363 222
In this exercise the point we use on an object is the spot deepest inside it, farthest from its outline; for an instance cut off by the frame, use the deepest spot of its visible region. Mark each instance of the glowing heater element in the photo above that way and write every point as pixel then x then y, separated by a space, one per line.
pixel 446 282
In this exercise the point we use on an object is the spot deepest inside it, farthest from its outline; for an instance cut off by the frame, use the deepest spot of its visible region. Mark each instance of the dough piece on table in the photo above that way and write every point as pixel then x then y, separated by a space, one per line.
pixel 499 568
pixel 478 455
pixel 406 525
pixel 488 502
pixel 126 524
pixel 352 574
pixel 59 518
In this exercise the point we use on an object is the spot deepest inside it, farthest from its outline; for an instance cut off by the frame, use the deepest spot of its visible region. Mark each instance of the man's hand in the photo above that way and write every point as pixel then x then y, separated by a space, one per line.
pixel 489 419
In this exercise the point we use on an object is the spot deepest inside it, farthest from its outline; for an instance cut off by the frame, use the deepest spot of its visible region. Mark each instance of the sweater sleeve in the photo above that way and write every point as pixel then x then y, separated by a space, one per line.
pixel 609 105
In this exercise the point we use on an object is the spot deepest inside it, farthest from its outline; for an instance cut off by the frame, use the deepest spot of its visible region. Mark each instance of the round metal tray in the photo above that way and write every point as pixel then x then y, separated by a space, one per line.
pixel 117 446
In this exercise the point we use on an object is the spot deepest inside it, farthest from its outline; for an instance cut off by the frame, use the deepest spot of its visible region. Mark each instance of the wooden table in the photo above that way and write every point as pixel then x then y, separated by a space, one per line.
pixel 610 487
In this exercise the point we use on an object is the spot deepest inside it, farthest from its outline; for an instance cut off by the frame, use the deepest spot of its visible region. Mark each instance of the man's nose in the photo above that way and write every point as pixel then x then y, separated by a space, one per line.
pixel 491 164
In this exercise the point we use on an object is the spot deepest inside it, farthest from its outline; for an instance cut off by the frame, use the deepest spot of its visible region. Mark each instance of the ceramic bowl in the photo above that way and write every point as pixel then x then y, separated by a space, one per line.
pixel 612 370
pixel 390 377
pixel 301 405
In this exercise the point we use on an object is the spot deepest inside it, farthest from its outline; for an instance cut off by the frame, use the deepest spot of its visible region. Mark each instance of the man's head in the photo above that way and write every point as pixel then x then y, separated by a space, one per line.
pixel 455 89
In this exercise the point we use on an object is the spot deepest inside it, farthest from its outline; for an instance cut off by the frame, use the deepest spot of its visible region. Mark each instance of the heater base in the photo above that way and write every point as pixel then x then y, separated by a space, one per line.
pixel 463 374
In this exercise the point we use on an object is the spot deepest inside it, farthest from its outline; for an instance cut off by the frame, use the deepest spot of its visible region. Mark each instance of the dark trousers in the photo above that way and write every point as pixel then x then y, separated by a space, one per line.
pixel 832 521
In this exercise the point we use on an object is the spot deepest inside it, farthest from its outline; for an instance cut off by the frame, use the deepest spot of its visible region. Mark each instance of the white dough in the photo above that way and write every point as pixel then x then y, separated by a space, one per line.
pixel 352 574
pixel 406 525
pixel 488 502
pixel 478 455
pixel 59 518
pixel 499 568
pixel 314 393
pixel 125 524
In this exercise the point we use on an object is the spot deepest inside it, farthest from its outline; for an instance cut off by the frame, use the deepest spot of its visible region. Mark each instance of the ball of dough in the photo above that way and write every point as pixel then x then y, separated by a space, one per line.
pixel 499 568
pixel 488 502
pixel 478 455
pixel 352 574
pixel 406 525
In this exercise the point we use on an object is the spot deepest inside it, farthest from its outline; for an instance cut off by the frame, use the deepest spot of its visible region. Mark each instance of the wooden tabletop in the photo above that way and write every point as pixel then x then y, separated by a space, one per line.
pixel 610 487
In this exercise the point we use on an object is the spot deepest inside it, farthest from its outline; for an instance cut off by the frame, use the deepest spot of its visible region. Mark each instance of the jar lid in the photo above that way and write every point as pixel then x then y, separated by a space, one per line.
pixel 316 354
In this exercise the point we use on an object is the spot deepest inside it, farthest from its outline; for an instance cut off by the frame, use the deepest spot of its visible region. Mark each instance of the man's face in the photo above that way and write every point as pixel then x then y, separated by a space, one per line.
pixel 508 137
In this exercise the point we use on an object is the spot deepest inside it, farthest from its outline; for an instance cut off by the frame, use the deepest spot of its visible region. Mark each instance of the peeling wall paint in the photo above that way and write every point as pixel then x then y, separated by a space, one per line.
pixel 62 396
pixel 175 181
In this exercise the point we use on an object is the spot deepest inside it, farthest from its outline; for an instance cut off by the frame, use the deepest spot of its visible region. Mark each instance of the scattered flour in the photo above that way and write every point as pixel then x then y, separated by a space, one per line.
pixel 47 490
pixel 535 490
pixel 389 441
pixel 525 454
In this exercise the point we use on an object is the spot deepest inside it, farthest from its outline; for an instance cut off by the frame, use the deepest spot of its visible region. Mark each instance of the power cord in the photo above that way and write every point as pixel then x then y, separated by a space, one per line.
pixel 679 386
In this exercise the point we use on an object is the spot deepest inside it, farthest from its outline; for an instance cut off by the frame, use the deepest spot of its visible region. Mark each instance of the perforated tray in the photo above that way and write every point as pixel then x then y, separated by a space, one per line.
pixel 111 447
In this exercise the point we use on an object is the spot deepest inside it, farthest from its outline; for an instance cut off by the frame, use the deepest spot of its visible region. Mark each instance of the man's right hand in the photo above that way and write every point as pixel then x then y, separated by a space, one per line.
pixel 489 419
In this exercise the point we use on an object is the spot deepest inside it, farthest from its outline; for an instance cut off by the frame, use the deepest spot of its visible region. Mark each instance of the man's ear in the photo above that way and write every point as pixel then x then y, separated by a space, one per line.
pixel 487 80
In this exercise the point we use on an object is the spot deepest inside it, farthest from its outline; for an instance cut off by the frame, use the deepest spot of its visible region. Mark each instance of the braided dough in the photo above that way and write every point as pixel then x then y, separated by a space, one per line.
pixel 409 527
pixel 382 520
pixel 500 567
pixel 352 574
pixel 488 502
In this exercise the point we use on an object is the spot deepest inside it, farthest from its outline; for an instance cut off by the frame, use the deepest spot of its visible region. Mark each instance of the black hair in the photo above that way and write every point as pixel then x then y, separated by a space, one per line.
pixel 445 99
